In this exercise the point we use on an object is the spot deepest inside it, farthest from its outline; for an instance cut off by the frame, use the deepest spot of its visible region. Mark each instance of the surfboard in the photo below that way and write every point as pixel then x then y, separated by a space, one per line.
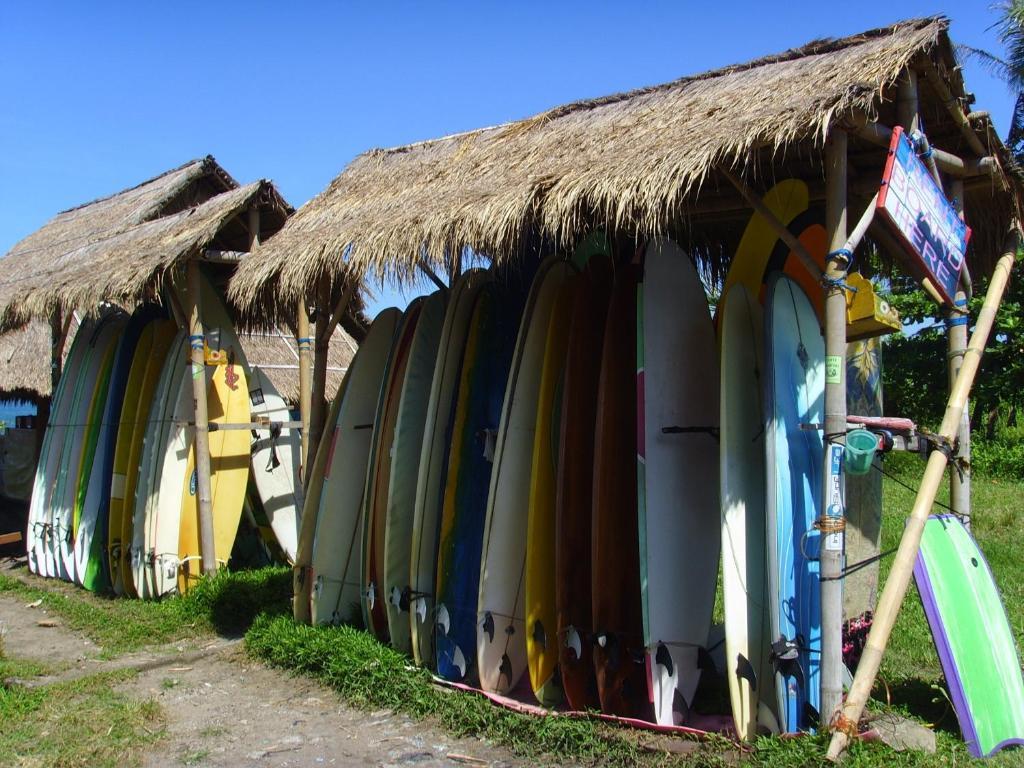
pixel 276 461
pixel 336 581
pixel 40 519
pixel 433 466
pixel 542 638
pixel 378 476
pixel 407 448
pixel 574 485
pixel 125 477
pixel 302 582
pixel 92 555
pixel 122 446
pixel 615 588
pixel 90 469
pixel 481 390
pixel 794 396
pixel 155 434
pixel 748 668
pixel 77 441
pixel 677 474
pixel 501 641
pixel 972 635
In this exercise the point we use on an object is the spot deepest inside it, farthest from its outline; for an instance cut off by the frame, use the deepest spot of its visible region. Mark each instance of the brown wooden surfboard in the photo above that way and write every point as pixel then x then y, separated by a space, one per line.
pixel 573 504
pixel 615 553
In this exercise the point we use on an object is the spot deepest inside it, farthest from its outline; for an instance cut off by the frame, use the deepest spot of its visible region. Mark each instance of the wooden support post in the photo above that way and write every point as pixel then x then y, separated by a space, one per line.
pixel 832 512
pixel 881 135
pixel 903 566
pixel 197 372
pixel 957 320
pixel 953 105
pixel 305 344
pixel 321 347
pixel 58 335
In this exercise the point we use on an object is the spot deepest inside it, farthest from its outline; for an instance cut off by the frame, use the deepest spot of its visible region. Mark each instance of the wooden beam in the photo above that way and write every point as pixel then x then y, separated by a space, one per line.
pixel 318 384
pixel 931 74
pixel 880 135
pixel 425 269
pixel 10 538
pixel 832 514
pixel 305 345
pixel 197 373
pixel 781 229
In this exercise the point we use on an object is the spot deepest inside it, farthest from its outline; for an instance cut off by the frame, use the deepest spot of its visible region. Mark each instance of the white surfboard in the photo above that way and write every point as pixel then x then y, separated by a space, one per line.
pixel 39 533
pixel 157 429
pixel 336 589
pixel 678 506
pixel 501 607
pixel 744 546
pixel 276 460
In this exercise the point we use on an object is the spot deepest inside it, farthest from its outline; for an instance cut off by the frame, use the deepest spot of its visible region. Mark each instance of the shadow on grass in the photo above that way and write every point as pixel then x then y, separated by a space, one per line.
pixel 231 602
pixel 924 699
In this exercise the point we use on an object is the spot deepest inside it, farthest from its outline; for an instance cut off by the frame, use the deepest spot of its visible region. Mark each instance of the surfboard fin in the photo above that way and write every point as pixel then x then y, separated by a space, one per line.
pixel 444 621
pixel 459 661
pixel 488 626
pixel 664 657
pixel 421 609
pixel 490 444
pixel 574 642
pixel 371 595
pixel 539 636
pixel 745 670
pixel 785 657
pixel 505 669
pixel 396 597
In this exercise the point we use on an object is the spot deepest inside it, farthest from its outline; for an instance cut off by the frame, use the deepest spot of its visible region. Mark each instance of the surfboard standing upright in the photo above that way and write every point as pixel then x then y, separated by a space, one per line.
pixel 501 643
pixel 794 402
pixel 677 474
pixel 434 457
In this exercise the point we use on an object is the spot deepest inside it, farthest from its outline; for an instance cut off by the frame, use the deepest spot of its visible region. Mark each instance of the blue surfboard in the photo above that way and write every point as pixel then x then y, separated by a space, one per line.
pixel 794 399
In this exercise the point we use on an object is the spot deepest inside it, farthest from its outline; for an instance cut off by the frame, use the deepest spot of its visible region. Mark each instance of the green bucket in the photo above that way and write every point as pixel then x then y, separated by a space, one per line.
pixel 860 451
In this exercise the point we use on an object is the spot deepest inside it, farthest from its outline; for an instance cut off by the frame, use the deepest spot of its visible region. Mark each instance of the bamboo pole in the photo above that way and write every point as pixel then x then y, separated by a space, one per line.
pixel 832 512
pixel 934 79
pixel 881 135
pixel 304 342
pixel 903 566
pixel 197 372
pixel 321 347
pixel 430 273
pixel 956 342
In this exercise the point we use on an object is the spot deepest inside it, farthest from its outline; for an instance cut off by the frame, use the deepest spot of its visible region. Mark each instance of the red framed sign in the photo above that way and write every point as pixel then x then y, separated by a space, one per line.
pixel 927 226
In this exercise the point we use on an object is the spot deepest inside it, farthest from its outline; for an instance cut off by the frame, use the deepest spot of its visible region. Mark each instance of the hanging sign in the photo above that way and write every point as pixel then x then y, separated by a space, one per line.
pixel 927 225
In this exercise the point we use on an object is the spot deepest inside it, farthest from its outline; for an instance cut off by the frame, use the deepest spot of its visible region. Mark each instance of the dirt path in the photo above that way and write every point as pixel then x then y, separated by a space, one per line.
pixel 222 709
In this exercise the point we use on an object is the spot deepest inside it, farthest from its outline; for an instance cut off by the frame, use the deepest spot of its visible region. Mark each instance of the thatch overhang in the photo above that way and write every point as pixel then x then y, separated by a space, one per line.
pixel 639 164
pixel 25 372
pixel 276 353
pixel 131 265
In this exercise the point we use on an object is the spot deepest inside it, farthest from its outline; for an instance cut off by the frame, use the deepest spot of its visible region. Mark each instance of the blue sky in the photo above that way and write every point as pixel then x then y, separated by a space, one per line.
pixel 99 96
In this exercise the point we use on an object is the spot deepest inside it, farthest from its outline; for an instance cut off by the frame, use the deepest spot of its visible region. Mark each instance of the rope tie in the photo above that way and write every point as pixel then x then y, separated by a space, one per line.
pixel 843 724
pixel 829 524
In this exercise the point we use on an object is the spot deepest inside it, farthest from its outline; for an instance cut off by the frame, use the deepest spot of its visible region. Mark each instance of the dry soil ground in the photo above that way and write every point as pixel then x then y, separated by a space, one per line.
pixel 222 709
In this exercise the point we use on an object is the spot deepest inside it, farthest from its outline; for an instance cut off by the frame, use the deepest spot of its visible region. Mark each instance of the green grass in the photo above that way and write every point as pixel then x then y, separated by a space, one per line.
pixel 225 604
pixel 85 722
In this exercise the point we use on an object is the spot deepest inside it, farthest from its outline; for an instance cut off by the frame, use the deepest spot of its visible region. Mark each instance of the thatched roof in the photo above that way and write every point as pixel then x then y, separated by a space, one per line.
pixel 127 264
pixel 25 361
pixel 640 163
pixel 277 355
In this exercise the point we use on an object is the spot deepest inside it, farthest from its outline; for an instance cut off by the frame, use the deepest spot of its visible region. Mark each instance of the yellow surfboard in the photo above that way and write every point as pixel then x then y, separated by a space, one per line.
pixel 787 200
pixel 126 474
pixel 129 409
pixel 541 613
pixel 227 403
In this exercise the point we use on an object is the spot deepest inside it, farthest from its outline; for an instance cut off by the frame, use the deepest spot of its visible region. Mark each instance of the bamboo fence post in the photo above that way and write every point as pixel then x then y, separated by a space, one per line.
pixel 957 321
pixel 304 343
pixel 832 519
pixel 197 372
pixel 903 566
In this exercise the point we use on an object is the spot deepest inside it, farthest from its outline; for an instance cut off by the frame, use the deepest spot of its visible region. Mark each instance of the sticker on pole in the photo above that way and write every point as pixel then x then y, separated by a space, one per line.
pixel 916 208
pixel 836 510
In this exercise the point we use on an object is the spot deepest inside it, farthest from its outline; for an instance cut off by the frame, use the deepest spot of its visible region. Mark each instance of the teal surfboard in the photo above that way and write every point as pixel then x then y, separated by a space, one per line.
pixel 972 636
